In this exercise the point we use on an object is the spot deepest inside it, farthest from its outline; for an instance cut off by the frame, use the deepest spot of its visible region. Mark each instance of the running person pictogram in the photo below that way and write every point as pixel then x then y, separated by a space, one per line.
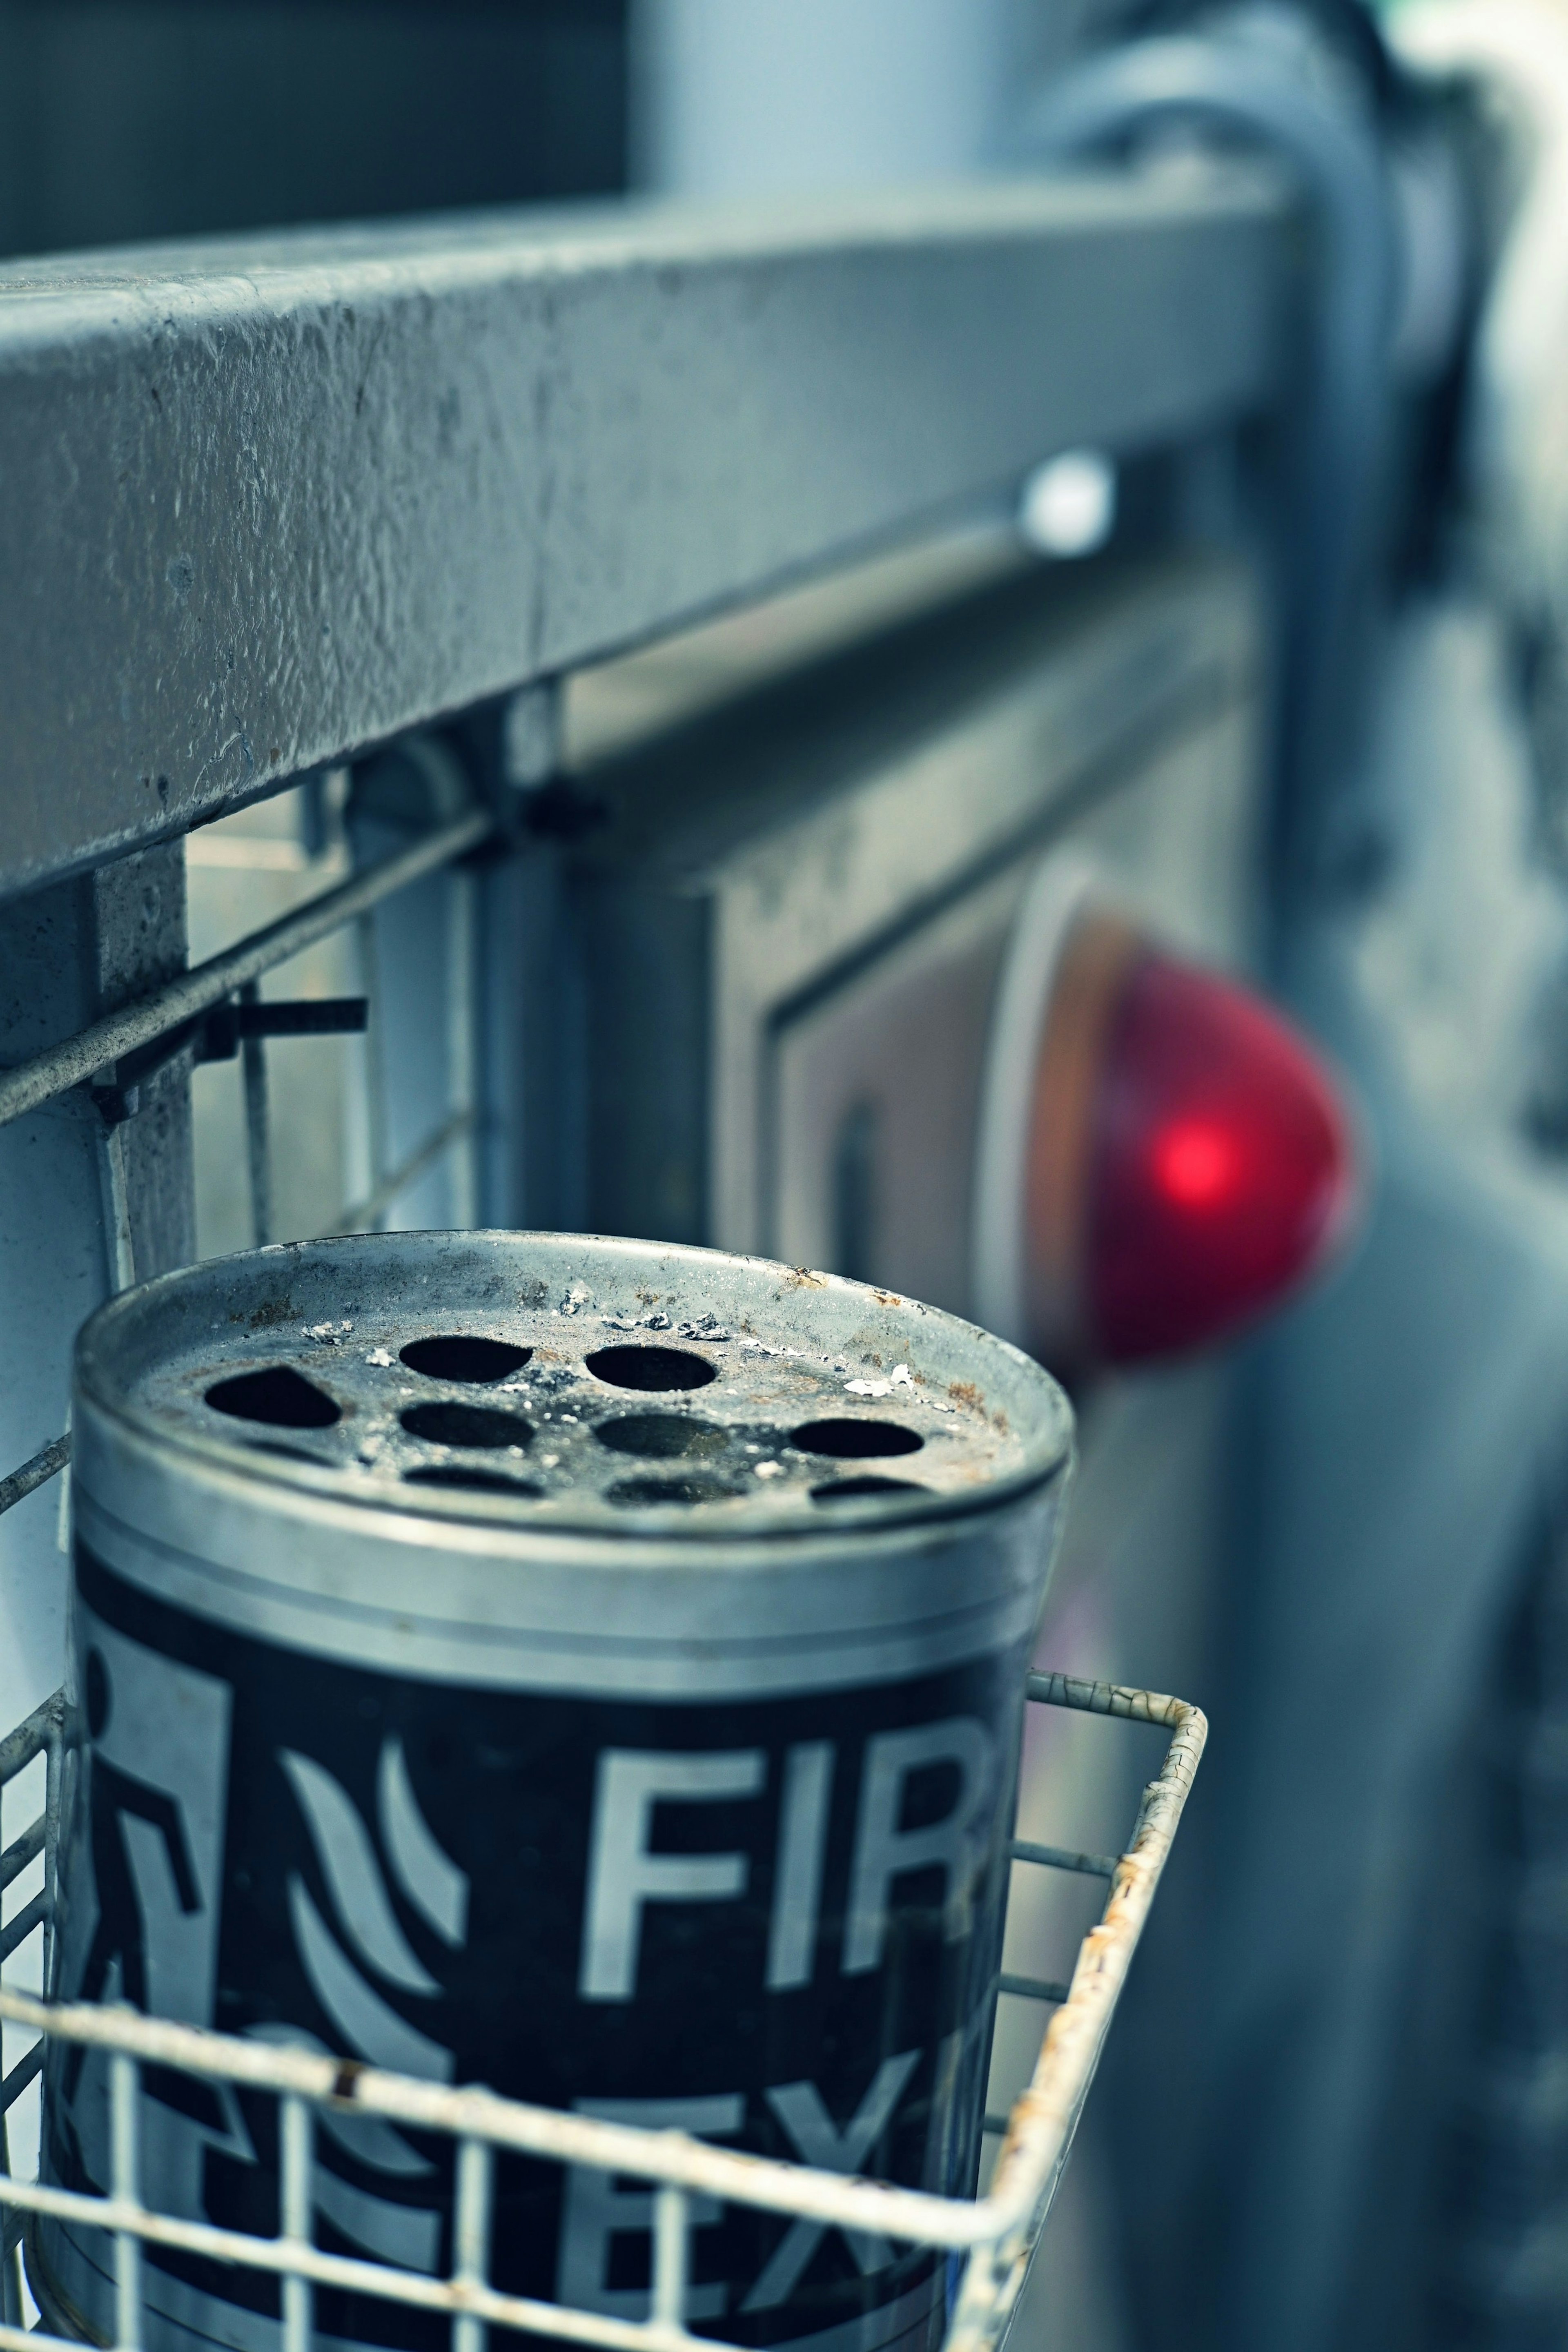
pixel 116 1796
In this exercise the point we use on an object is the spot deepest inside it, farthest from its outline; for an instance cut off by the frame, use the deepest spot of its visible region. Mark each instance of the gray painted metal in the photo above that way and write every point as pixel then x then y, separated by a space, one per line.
pixel 86 1204
pixel 267 502
pixel 49 1461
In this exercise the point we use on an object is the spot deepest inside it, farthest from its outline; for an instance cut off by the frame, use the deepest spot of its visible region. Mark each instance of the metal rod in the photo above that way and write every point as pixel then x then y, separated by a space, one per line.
pixel 253 1065
pixel 1041 2134
pixel 347 2272
pixel 295 2130
pixel 21 1850
pixel 670 2227
pixel 911 2215
pixel 54 1775
pixel 476 2165
pixel 1118 1699
pixel 31 1739
pixel 1032 1988
pixel 365 1213
pixel 24 2339
pixel 10 2272
pixel 377 1145
pixel 119 1247
pixel 36 1472
pixel 124 2088
pixel 32 1083
pixel 1060 1857
pixel 461 1048
pixel 12 2087
pixel 16 1931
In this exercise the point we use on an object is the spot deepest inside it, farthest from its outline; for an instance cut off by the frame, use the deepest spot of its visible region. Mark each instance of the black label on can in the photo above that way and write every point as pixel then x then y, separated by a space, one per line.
pixel 774 1923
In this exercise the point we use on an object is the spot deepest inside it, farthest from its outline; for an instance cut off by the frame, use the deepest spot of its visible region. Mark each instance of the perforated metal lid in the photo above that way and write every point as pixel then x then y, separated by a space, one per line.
pixel 554 1379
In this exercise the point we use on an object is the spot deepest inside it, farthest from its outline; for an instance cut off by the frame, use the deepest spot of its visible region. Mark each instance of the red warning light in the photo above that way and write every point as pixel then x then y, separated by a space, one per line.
pixel 1161 1158
pixel 1196 1164
pixel 1219 1170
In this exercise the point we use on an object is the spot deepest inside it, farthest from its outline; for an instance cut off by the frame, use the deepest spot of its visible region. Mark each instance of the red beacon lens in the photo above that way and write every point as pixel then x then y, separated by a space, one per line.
pixel 1219 1168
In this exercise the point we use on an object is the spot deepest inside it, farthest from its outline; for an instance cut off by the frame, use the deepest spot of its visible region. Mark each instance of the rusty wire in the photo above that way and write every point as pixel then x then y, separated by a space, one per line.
pixel 998 2232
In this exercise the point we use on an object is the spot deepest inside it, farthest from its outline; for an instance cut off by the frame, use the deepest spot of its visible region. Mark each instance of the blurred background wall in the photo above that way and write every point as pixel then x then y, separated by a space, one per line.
pixel 131 120
pixel 120 120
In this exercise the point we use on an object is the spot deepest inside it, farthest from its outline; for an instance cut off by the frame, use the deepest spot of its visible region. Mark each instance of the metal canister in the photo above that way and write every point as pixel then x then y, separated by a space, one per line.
pixel 582 1666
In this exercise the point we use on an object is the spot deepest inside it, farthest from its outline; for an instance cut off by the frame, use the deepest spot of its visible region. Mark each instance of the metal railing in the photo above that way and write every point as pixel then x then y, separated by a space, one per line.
pixel 997 2233
pixel 115 1055
pixel 157 1019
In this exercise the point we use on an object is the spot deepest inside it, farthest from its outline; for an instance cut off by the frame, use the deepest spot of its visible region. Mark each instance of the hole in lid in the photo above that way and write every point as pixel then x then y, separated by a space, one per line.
pixel 662 1437
pixel 464 1356
pixel 478 1482
pixel 277 1395
pixel 651 1368
pixel 480 1426
pixel 856 1441
pixel 850 1490
pixel 638 1494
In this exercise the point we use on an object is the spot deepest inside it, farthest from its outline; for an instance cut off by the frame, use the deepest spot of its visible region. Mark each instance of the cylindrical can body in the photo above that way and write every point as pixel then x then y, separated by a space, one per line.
pixel 582 1667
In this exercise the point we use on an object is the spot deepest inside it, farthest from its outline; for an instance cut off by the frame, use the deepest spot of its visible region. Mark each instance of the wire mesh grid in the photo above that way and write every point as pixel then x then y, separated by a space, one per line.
pixel 997 2234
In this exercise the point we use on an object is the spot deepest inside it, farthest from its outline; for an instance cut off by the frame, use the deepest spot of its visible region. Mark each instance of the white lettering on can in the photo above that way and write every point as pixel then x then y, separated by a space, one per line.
pixel 595 2210
pixel 798 1881
pixel 885 1851
pixel 818 2141
pixel 624 1875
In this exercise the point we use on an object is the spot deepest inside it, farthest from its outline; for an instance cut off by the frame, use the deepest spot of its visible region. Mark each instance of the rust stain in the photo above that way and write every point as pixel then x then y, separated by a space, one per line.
pixel 966 1392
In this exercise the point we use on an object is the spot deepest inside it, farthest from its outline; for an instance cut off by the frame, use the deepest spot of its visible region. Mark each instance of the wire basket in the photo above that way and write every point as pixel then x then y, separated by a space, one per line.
pixel 995 2234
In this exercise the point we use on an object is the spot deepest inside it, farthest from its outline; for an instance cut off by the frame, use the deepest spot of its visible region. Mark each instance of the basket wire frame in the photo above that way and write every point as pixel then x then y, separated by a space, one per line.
pixel 997 2233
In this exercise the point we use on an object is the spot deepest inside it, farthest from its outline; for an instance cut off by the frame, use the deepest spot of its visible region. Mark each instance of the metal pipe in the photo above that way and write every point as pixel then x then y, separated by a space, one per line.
pixel 1041 2134
pixel 41 1728
pixel 1241 86
pixel 36 1472
pixel 133 1026
pixel 252 1064
pixel 910 2214
pixel 1062 1858
pixel 364 1216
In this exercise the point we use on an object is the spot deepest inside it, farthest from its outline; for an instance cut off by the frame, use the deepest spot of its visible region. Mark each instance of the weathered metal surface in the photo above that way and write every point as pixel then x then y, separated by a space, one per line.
pixel 36 1472
pixel 265 502
pixel 85 1202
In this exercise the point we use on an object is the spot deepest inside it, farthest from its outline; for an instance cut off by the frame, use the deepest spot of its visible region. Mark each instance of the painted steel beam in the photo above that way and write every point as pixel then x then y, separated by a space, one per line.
pixel 264 502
